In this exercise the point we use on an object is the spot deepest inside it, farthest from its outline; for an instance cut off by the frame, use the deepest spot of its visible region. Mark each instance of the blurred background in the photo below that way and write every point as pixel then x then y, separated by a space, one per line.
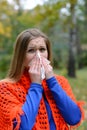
pixel 65 23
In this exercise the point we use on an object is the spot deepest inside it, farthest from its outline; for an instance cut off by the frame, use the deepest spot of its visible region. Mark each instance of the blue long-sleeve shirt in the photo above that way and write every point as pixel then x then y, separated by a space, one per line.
pixel 69 110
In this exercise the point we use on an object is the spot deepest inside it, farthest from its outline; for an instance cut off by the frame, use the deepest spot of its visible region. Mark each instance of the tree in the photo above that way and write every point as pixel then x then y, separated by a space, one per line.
pixel 72 41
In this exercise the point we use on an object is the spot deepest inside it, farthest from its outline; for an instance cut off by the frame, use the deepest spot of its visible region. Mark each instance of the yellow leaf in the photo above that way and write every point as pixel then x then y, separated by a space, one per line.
pixel 2 31
pixel 8 30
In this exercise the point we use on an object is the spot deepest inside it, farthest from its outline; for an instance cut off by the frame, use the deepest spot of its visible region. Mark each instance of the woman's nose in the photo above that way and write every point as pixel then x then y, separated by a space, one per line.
pixel 37 51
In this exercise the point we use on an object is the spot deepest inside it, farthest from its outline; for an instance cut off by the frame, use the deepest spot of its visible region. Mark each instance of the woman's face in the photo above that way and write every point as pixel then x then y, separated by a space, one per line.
pixel 35 46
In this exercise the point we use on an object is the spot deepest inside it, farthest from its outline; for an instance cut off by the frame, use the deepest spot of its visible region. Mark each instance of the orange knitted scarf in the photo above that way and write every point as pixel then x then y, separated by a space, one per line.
pixel 13 95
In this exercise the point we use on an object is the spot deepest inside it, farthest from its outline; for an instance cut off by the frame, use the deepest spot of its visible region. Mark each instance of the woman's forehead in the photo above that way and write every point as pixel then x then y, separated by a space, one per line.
pixel 37 41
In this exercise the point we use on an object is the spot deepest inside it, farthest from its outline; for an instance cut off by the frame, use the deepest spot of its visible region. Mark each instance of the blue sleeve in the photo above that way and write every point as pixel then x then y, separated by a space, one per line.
pixel 31 106
pixel 68 108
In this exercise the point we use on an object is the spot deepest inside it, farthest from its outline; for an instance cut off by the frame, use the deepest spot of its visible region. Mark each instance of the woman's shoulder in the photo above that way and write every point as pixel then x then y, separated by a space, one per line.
pixel 7 85
pixel 7 80
pixel 2 81
pixel 3 87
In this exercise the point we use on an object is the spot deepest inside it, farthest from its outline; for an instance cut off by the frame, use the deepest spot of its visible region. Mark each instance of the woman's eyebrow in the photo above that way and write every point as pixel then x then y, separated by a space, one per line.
pixel 36 46
pixel 31 47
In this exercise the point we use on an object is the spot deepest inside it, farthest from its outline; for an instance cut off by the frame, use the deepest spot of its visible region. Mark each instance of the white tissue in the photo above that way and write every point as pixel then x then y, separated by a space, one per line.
pixel 42 67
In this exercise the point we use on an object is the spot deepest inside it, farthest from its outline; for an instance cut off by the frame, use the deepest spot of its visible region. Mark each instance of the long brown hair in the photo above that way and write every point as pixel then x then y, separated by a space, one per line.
pixel 22 41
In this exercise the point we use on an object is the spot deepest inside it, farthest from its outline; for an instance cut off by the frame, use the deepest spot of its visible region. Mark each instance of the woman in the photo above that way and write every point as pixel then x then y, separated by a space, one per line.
pixel 29 101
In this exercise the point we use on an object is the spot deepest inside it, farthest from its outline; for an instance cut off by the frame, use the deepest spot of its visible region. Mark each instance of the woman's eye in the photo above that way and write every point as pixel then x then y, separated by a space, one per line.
pixel 31 50
pixel 42 49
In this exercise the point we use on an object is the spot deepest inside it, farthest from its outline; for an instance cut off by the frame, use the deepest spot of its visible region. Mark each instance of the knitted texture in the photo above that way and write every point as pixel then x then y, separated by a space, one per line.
pixel 13 96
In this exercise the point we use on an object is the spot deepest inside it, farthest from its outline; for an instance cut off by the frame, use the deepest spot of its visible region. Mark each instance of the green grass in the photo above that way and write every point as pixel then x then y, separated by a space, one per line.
pixel 79 84
pixel 79 87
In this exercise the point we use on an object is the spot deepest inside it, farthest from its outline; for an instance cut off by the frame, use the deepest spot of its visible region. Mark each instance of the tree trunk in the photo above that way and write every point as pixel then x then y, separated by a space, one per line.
pixel 79 49
pixel 72 51
pixel 72 43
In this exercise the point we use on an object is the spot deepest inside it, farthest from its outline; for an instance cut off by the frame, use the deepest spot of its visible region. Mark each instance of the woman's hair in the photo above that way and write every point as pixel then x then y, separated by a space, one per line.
pixel 22 41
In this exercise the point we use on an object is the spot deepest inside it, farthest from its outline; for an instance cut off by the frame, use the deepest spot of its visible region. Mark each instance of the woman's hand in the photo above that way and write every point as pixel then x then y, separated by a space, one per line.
pixel 35 70
pixel 48 68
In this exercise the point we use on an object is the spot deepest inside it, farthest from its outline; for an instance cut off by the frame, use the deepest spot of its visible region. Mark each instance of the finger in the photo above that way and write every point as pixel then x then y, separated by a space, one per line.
pixel 36 66
pixel 37 63
pixel 46 61
pixel 32 61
